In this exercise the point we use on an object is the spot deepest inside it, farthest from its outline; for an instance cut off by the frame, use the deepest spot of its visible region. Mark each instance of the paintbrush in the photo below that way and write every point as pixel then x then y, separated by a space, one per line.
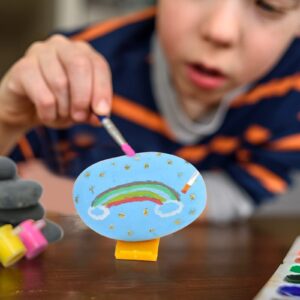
pixel 190 182
pixel 114 132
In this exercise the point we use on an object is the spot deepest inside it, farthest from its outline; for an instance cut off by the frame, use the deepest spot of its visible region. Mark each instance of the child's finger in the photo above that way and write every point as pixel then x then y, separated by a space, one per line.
pixel 56 79
pixel 79 71
pixel 102 83
pixel 30 82
pixel 102 86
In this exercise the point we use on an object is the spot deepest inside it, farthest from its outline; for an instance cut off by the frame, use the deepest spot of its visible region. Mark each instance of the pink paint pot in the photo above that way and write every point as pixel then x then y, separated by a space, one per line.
pixel 34 241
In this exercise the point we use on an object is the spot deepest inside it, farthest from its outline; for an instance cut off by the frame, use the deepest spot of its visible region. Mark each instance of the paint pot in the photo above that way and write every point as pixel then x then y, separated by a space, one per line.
pixel 289 290
pixel 293 278
pixel 295 269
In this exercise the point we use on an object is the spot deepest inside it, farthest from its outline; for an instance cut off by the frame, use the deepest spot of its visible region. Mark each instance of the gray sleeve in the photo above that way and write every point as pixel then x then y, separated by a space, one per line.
pixel 226 201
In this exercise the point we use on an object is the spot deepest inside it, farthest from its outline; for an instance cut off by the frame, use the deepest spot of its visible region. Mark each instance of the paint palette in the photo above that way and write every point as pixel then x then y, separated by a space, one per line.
pixel 139 198
pixel 285 282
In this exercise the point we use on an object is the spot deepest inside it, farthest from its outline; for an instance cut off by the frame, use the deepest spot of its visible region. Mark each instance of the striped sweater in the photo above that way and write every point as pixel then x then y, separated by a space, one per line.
pixel 257 144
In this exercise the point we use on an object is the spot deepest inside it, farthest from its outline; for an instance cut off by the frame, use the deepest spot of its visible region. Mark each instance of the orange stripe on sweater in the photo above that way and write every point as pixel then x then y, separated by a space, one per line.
pixel 25 148
pixel 243 155
pixel 140 115
pixel 275 88
pixel 193 153
pixel 223 145
pixel 257 134
pixel 113 24
pixel 287 143
pixel 270 181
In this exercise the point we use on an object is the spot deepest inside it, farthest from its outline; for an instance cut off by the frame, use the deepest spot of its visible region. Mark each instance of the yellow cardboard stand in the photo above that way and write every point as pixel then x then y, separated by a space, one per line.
pixel 146 250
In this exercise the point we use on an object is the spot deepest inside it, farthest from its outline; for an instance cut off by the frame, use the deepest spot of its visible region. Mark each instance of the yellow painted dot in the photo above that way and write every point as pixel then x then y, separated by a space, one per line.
pixel 146 166
pixel 192 196
pixel 180 174
pixel 192 212
pixel 113 163
pixel 111 227
pixel 130 233
pixel 152 230
pixel 102 174
pixel 146 212
pixel 87 174
pixel 177 221
pixel 170 162
pixel 91 189
pixel 158 154
pixel 127 167
pixel 121 215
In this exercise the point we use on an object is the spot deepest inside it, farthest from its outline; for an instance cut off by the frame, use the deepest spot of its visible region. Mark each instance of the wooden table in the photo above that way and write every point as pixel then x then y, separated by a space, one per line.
pixel 199 262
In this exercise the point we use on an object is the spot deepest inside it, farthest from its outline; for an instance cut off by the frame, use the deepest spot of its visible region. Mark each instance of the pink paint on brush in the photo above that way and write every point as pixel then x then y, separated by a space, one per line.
pixel 128 150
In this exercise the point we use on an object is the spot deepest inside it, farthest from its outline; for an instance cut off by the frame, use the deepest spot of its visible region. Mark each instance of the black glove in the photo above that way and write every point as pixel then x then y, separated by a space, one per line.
pixel 19 201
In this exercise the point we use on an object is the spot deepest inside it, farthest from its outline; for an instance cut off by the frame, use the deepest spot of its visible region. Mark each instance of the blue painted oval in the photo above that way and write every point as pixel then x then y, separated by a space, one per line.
pixel 139 198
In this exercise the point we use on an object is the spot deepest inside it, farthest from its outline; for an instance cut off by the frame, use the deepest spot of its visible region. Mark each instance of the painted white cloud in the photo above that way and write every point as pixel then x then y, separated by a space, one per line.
pixel 168 209
pixel 98 213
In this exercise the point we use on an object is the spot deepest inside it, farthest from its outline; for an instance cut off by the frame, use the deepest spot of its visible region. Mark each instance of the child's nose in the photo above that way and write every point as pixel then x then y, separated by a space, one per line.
pixel 223 24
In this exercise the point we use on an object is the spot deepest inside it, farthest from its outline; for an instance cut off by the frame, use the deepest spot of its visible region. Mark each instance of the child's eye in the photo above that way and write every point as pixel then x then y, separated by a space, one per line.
pixel 268 7
pixel 279 7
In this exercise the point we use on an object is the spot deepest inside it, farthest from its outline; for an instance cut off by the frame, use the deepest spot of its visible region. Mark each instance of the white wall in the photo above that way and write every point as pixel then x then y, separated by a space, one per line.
pixel 70 14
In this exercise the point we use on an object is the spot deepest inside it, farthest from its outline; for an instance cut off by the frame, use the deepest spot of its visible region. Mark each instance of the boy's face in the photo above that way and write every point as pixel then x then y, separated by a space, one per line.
pixel 214 46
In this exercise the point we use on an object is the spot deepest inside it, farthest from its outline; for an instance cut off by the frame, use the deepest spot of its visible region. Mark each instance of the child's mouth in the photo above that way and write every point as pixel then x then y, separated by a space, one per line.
pixel 205 77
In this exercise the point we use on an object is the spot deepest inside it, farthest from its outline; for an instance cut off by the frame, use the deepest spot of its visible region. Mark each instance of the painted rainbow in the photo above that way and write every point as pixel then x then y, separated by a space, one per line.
pixel 154 191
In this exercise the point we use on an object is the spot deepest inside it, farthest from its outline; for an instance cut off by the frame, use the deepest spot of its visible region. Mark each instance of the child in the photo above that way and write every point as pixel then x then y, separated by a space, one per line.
pixel 214 81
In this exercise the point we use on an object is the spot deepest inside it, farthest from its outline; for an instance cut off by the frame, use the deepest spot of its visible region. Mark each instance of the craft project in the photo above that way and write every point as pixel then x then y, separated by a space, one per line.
pixel 137 200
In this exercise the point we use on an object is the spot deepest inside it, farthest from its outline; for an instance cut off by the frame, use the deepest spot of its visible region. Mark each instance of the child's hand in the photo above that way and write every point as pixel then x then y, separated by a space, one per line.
pixel 57 83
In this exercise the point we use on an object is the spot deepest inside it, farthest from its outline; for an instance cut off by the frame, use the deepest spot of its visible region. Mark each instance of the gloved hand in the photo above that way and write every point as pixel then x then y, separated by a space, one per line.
pixel 19 201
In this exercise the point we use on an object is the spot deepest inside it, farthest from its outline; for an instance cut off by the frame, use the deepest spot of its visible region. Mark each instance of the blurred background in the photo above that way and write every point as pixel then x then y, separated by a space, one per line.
pixel 22 22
